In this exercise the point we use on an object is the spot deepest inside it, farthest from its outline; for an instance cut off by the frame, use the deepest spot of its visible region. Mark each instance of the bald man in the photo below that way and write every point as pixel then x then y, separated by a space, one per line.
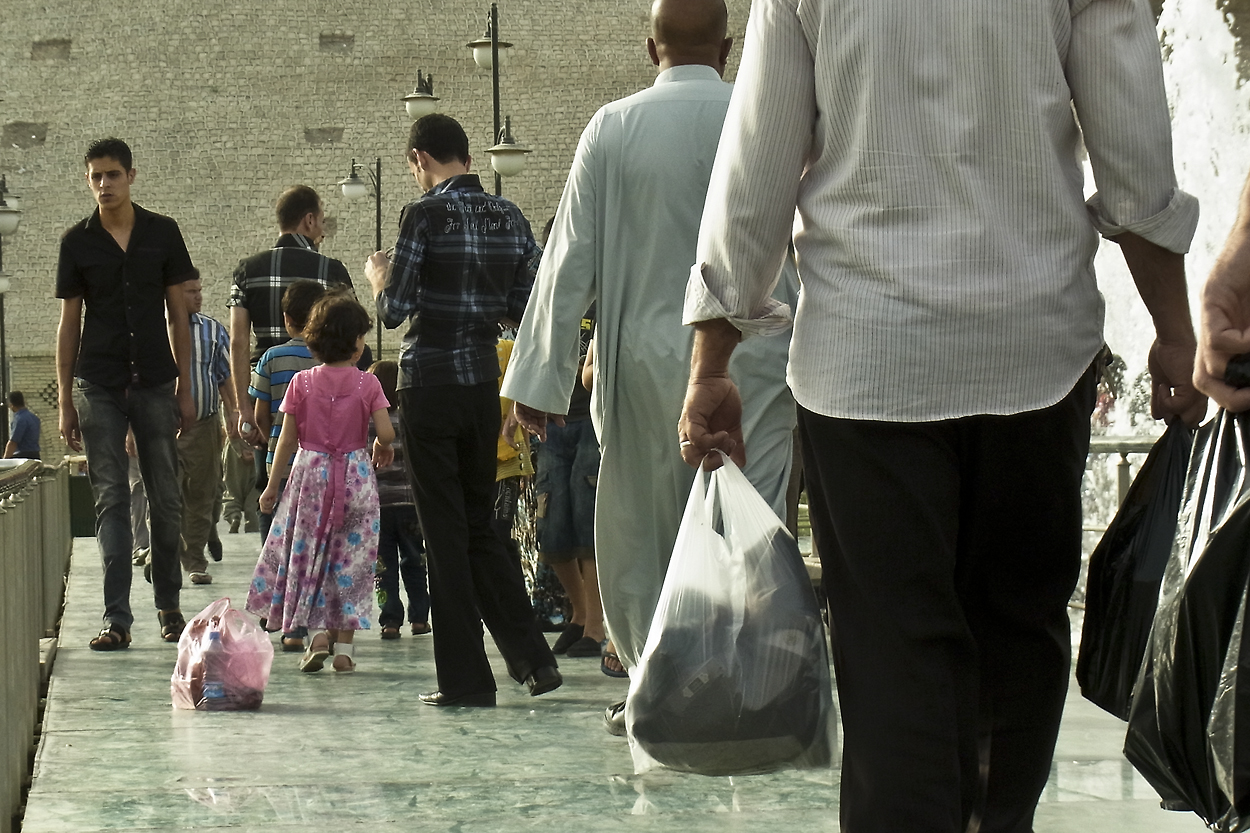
pixel 624 237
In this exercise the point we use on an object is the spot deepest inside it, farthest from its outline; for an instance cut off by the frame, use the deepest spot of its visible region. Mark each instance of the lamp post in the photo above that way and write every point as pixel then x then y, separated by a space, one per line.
pixel 354 188
pixel 10 217
pixel 507 156
pixel 421 101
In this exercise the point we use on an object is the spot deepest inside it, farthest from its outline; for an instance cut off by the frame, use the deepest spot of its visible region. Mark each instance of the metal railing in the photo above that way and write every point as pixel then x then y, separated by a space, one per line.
pixel 1124 446
pixel 35 546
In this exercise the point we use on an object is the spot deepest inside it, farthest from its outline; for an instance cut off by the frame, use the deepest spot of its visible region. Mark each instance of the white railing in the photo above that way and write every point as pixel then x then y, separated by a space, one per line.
pixel 35 545
pixel 1123 446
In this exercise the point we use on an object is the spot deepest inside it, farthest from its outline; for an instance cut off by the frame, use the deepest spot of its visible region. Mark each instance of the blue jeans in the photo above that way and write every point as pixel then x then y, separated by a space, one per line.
pixel 568 471
pixel 401 535
pixel 104 415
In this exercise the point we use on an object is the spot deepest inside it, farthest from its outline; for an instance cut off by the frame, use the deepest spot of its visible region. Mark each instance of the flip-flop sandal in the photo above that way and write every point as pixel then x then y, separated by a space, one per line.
pixel 572 633
pixel 391 632
pixel 587 646
pixel 607 655
pixel 314 658
pixel 420 628
pixel 112 638
pixel 172 624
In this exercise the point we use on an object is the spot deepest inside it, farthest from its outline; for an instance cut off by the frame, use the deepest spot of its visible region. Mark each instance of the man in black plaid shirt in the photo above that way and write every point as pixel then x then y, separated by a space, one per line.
pixel 259 281
pixel 464 263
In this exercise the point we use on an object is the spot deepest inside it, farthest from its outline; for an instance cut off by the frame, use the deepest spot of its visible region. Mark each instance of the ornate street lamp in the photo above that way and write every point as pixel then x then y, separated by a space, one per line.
pixel 421 101
pixel 511 156
pixel 353 189
pixel 507 157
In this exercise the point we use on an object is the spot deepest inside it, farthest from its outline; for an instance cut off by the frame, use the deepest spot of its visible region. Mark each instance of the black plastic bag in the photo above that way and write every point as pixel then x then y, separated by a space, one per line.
pixel 1183 735
pixel 1125 571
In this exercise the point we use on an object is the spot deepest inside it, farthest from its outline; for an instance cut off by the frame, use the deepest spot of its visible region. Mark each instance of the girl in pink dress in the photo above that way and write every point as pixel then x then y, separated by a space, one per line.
pixel 316 569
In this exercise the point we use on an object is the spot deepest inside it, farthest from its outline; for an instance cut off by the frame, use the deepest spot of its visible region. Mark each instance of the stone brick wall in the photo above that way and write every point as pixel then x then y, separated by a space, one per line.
pixel 226 103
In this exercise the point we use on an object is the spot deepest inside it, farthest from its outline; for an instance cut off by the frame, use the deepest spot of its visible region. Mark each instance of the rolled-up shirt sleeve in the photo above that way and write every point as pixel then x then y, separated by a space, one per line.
pixel 1116 79
pixel 749 211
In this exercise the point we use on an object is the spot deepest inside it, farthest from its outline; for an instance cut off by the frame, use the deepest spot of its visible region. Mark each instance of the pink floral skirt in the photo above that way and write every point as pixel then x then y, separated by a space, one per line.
pixel 324 580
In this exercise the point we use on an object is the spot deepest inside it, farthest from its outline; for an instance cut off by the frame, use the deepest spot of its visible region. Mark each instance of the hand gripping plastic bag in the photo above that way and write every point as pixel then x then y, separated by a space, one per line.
pixel 1183 732
pixel 1125 571
pixel 734 677
pixel 223 661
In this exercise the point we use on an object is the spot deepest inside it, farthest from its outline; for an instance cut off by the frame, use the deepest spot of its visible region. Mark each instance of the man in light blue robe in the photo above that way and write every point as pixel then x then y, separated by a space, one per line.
pixel 624 237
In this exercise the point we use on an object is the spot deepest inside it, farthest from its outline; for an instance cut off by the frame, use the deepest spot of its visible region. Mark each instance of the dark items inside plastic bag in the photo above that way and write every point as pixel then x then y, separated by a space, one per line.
pixel 1125 571
pixel 1183 735
pixel 224 660
pixel 735 675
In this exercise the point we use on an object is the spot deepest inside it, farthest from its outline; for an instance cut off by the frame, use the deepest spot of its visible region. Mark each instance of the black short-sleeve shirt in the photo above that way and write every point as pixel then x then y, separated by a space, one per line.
pixel 124 337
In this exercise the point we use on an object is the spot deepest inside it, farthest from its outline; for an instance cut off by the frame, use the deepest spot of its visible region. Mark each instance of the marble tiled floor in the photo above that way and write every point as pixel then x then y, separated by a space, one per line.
pixel 329 753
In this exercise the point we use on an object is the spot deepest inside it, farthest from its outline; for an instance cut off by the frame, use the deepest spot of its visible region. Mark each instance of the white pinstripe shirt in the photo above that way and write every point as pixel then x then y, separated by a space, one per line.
pixel 932 151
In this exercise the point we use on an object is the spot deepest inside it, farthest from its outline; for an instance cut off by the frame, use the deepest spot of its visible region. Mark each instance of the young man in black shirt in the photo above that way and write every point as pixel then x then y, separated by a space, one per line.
pixel 119 367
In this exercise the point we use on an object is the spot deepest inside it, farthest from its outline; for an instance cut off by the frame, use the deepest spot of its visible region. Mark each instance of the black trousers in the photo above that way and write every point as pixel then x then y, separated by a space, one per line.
pixel 450 435
pixel 949 552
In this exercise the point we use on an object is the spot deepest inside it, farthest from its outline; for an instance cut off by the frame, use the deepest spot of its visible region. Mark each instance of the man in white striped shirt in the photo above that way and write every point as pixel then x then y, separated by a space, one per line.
pixel 942 351
pixel 199 446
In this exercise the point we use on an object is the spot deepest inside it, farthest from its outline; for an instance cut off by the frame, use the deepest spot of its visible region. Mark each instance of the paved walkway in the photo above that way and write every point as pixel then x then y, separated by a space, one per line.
pixel 329 753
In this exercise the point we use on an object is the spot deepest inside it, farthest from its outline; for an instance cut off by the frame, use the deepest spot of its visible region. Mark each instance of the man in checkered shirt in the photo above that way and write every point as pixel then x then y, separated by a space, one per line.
pixel 256 295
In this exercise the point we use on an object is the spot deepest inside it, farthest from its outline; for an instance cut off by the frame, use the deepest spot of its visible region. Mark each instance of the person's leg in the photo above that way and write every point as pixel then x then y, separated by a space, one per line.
pixel 594 607
pixel 432 419
pixel 214 539
pixel 497 580
pixel 199 456
pixel 138 512
pixel 1020 554
pixel 583 484
pixel 154 417
pixel 412 564
pixel 386 574
pixel 251 496
pixel 554 524
pixel 102 420
pixel 570 576
pixel 232 498
pixel 884 501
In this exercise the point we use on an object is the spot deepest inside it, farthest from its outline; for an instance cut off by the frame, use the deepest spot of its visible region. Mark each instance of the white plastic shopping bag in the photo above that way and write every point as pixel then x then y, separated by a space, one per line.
pixel 734 677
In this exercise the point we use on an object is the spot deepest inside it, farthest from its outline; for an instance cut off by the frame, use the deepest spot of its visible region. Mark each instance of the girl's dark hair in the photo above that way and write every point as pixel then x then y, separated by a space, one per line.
pixel 387 372
pixel 336 322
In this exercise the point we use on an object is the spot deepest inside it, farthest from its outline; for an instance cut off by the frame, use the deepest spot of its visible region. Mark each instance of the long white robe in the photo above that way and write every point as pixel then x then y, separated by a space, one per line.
pixel 624 236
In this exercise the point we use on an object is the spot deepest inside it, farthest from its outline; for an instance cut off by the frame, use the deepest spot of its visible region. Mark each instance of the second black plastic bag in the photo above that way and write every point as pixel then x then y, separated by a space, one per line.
pixel 1125 571
pixel 1183 732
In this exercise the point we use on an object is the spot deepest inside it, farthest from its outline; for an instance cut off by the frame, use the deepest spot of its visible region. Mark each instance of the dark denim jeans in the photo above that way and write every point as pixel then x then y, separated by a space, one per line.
pixel 104 415
pixel 568 472
pixel 401 535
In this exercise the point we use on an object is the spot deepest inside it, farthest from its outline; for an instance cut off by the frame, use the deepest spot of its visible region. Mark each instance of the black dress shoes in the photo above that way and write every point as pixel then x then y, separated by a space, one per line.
pixel 543 679
pixel 438 698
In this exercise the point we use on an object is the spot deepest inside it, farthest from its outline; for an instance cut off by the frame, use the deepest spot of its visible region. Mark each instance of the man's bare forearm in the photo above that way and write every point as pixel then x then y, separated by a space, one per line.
pixel 68 340
pixel 714 343
pixel 1160 278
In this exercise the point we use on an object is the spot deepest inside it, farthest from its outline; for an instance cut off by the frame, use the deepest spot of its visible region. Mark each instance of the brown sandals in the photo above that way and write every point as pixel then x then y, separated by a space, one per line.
pixel 172 624
pixel 112 638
